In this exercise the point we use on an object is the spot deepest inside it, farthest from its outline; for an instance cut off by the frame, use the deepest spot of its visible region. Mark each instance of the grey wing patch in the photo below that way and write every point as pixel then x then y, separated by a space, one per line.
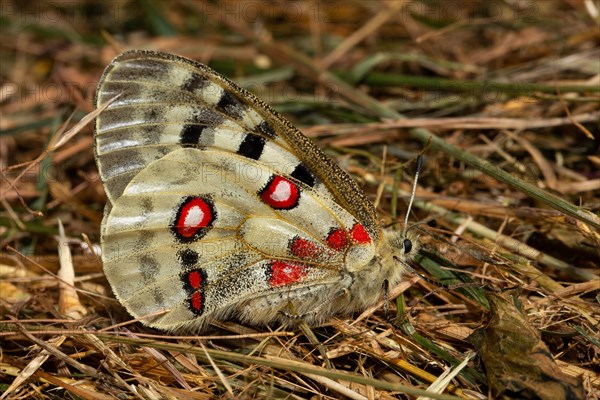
pixel 164 103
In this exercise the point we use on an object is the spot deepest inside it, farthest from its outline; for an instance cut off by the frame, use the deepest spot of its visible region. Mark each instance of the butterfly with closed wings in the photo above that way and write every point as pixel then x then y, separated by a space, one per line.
pixel 218 207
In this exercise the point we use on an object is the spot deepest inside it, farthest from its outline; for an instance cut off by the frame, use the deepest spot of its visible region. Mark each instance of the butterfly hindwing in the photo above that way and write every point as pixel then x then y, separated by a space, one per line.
pixel 216 204
pixel 189 235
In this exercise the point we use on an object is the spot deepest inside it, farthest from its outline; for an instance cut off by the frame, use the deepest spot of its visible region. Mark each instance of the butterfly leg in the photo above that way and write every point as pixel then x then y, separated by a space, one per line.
pixel 386 299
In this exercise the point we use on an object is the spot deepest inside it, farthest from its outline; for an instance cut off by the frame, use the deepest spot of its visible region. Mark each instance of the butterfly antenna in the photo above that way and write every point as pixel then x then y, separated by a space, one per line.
pixel 413 193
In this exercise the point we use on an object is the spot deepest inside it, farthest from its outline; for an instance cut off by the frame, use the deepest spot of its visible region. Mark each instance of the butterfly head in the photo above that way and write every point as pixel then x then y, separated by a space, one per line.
pixel 395 252
pixel 402 246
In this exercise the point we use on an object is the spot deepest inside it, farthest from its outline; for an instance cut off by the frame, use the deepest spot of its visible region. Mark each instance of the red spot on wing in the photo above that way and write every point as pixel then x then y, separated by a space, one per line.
pixel 197 303
pixel 193 215
pixel 280 193
pixel 193 283
pixel 195 279
pixel 283 273
pixel 337 239
pixel 359 234
pixel 303 248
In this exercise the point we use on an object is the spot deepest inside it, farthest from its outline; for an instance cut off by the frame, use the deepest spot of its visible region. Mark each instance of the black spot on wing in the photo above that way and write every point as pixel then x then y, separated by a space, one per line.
pixel 190 134
pixel 302 174
pixel 252 146
pixel 188 258
pixel 229 105
pixel 194 82
pixel 201 119
pixel 266 130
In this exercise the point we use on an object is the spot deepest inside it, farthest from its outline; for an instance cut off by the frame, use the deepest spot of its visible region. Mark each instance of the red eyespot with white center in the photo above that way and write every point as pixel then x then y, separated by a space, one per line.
pixel 193 283
pixel 283 273
pixel 280 193
pixel 193 219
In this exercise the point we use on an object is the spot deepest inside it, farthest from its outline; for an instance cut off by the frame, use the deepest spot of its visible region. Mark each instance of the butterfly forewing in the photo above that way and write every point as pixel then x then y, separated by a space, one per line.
pixel 215 202
pixel 166 101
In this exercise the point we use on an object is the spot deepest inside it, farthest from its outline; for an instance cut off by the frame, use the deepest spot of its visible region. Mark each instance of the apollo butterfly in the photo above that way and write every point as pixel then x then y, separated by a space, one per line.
pixel 218 207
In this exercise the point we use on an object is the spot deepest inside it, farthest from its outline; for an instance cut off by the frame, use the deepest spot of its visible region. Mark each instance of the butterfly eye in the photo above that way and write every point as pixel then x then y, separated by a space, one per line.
pixel 407 245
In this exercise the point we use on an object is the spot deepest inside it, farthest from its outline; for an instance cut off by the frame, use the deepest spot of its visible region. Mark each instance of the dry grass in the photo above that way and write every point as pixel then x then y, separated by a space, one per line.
pixel 503 99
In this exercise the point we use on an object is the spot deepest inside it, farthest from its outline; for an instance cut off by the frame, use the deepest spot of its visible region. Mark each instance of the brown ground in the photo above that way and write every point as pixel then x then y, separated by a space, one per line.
pixel 513 83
